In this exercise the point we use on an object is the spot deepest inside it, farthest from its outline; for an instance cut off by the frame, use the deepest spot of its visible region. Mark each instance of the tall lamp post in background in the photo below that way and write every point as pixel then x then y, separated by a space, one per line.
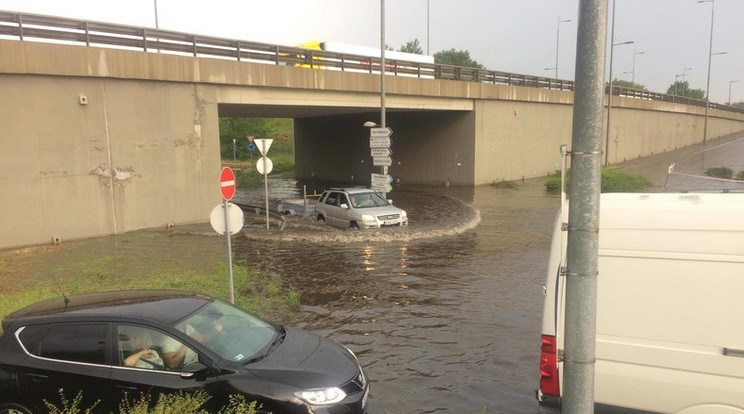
pixel 730 82
pixel 609 95
pixel 632 77
pixel 557 42
pixel 681 75
pixel 710 57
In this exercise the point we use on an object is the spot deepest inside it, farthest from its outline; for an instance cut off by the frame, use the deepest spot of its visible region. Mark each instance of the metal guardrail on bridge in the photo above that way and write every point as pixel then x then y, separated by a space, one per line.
pixel 24 26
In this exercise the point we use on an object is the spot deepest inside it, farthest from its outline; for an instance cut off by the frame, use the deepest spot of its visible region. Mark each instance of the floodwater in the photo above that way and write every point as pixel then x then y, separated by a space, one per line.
pixel 444 314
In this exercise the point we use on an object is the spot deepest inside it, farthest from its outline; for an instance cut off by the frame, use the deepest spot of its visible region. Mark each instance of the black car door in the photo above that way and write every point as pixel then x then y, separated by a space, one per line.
pixel 68 358
pixel 143 369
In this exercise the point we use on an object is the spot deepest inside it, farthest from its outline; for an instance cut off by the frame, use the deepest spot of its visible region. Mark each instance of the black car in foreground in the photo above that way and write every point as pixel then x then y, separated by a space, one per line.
pixel 125 344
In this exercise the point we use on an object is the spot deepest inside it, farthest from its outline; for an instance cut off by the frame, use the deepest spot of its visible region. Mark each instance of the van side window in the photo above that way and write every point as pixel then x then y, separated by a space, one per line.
pixel 30 338
pixel 332 199
pixel 75 342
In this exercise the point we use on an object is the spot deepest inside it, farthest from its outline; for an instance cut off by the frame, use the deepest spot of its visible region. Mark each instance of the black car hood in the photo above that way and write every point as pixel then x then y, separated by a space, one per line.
pixel 307 360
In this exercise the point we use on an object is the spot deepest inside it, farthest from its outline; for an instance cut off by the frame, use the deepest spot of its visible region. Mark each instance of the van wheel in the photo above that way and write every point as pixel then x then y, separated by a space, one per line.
pixel 320 218
pixel 12 408
pixel 354 225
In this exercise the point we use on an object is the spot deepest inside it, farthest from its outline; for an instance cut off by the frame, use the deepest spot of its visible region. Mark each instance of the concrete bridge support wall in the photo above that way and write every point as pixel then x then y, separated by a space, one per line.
pixel 84 157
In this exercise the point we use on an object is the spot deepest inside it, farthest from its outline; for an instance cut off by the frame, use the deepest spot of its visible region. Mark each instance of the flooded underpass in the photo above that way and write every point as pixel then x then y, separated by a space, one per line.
pixel 443 314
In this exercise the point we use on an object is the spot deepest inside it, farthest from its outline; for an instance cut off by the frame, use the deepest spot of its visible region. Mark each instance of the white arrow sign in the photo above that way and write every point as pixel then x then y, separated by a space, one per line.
pixel 380 132
pixel 381 152
pixel 382 161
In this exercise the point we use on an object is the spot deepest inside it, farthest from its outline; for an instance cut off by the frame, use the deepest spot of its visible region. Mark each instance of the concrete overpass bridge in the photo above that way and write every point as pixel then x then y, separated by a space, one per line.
pixel 114 128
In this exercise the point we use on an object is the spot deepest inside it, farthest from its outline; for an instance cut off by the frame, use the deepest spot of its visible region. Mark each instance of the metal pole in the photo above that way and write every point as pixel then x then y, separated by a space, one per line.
pixel 731 82
pixel 557 44
pixel 583 219
pixel 157 26
pixel 609 95
pixel 427 27
pixel 225 206
pixel 710 56
pixel 382 74
pixel 266 191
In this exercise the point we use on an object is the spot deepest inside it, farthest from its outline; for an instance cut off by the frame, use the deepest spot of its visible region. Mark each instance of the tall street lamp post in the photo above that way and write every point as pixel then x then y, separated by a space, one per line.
pixel 730 82
pixel 609 96
pixel 710 56
pixel 557 42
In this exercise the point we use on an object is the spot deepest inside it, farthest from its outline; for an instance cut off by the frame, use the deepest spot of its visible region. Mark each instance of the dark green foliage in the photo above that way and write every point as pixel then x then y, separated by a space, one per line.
pixel 720 172
pixel 413 46
pixel 628 84
pixel 456 58
pixel 740 176
pixel 683 89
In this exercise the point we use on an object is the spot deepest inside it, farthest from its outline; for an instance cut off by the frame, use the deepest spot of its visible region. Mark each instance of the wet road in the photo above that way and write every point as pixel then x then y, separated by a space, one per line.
pixel 445 314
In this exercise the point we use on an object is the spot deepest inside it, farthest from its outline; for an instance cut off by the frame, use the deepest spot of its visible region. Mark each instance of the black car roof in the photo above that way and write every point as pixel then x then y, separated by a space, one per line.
pixel 165 306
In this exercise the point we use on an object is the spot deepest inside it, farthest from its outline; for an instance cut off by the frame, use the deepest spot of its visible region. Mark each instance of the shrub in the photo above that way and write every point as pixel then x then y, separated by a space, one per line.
pixel 740 176
pixel 720 172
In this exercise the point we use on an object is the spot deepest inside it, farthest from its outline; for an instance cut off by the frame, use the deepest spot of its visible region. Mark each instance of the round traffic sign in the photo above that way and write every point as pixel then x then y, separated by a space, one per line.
pixel 227 183
pixel 234 215
pixel 264 164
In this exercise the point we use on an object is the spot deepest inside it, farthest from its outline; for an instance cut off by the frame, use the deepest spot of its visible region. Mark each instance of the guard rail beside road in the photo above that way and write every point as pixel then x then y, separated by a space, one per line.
pixel 23 26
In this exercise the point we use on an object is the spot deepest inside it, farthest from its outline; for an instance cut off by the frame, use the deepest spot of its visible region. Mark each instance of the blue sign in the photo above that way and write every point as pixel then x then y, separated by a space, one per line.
pixel 251 146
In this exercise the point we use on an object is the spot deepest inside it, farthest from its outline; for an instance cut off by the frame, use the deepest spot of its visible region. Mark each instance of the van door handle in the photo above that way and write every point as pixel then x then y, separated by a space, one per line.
pixel 127 387
pixel 739 353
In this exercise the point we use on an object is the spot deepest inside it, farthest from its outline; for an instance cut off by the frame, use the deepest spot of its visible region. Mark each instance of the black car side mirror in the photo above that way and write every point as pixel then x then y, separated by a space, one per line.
pixel 195 371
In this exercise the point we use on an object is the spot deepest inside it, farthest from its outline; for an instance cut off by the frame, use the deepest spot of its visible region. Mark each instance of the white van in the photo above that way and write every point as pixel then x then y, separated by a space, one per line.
pixel 670 305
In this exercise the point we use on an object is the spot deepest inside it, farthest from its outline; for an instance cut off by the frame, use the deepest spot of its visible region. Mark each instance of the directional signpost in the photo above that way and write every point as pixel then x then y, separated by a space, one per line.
pixel 382 183
pixel 379 148
pixel 231 214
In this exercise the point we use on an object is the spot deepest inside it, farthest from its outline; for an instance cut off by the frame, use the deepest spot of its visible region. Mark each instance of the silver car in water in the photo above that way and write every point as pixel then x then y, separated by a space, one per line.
pixel 358 208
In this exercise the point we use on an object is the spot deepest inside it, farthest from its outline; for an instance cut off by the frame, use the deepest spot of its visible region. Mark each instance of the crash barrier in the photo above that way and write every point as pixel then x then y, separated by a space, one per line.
pixel 23 26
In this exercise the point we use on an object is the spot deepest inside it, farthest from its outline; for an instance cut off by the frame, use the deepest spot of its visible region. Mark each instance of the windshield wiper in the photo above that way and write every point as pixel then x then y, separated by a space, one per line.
pixel 279 338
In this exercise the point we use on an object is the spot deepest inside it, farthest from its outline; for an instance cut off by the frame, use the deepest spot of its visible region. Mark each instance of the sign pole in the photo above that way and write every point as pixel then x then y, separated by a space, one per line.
pixel 227 188
pixel 229 251
pixel 266 193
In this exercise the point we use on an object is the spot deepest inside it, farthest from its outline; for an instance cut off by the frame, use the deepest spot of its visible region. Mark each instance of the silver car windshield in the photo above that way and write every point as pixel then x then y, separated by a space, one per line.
pixel 230 332
pixel 365 200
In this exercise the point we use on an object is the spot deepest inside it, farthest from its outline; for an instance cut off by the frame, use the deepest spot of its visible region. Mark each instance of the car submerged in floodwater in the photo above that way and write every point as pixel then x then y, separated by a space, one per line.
pixel 358 208
pixel 126 344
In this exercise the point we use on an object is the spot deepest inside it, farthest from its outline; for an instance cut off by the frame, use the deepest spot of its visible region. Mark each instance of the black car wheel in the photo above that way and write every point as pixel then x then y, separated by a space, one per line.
pixel 12 408
pixel 354 225
pixel 321 218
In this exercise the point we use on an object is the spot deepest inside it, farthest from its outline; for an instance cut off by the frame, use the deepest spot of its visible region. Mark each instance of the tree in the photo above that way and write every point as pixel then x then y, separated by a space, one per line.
pixel 413 46
pixel 683 89
pixel 238 129
pixel 739 105
pixel 628 84
pixel 456 58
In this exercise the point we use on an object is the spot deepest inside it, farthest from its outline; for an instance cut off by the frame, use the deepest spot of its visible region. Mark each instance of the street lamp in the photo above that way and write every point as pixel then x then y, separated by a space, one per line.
pixel 710 57
pixel 682 75
pixel 557 42
pixel 730 82
pixel 609 97
pixel 632 78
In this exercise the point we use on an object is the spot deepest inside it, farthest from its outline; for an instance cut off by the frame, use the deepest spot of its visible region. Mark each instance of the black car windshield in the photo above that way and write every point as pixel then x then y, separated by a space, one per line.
pixel 369 199
pixel 230 332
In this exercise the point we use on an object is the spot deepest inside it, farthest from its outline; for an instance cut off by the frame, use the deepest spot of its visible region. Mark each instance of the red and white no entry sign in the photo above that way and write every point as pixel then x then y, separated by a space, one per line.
pixel 227 183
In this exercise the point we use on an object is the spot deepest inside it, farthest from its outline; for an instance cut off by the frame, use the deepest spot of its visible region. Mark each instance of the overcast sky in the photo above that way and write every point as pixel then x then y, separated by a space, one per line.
pixel 507 35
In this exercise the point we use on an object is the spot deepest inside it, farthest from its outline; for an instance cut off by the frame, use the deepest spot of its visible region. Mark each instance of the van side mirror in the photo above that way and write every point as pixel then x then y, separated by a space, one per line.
pixel 195 370
pixel 390 201
pixel 344 206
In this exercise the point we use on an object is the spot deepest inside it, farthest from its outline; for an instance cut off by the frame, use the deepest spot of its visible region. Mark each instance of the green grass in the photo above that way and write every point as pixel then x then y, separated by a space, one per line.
pixel 503 184
pixel 613 180
pixel 262 293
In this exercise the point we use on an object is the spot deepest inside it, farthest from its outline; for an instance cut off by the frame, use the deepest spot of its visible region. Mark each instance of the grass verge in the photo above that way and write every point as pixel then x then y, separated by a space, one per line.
pixel 613 180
